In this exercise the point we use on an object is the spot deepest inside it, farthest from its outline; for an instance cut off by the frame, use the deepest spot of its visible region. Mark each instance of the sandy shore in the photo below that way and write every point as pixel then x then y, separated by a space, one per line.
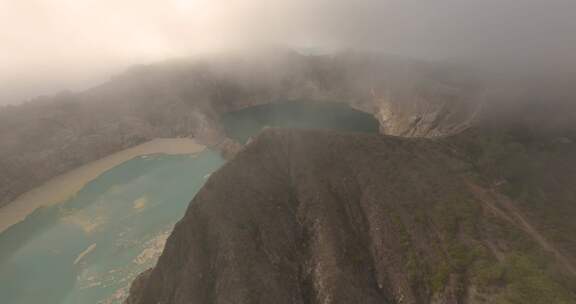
pixel 63 187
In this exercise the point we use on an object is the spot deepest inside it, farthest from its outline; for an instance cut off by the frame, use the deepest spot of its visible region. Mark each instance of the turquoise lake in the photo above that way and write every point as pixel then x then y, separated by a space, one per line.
pixel 90 248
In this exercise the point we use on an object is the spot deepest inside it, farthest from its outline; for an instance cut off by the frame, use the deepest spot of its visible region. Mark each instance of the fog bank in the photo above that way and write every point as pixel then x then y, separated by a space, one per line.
pixel 51 45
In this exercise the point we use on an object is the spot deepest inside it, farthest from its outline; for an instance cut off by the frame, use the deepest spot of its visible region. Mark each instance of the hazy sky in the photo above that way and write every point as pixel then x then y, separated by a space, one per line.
pixel 50 45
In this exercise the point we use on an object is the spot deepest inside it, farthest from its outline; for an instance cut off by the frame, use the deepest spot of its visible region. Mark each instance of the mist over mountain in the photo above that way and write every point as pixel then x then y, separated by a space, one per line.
pixel 54 45
pixel 52 134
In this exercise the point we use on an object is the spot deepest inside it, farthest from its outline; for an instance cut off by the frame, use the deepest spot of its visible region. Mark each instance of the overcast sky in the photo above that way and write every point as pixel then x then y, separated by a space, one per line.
pixel 50 45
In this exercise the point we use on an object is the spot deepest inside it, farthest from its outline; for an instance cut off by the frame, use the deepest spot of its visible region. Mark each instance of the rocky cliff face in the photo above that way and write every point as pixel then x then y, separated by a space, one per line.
pixel 324 217
pixel 53 134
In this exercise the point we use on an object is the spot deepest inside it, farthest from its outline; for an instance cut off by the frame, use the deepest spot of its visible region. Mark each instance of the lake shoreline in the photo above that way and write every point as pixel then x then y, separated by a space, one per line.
pixel 62 187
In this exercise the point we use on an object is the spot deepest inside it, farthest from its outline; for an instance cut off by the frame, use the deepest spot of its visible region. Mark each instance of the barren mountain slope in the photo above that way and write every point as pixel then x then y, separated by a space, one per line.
pixel 325 217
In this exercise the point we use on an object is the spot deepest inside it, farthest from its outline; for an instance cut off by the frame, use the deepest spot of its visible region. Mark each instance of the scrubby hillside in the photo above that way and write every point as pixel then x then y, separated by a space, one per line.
pixel 529 156
pixel 326 217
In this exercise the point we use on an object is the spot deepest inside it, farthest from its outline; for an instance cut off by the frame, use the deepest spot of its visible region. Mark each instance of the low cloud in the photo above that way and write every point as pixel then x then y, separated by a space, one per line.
pixel 49 45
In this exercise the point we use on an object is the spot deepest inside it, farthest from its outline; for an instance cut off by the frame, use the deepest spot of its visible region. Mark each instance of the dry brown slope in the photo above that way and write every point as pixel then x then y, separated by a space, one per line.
pixel 323 217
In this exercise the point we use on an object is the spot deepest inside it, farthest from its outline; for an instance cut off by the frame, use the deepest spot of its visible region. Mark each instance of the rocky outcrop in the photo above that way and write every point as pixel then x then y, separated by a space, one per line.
pixel 325 217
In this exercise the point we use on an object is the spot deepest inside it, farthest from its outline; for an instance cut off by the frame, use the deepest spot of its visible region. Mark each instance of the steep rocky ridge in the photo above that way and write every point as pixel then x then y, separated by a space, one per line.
pixel 326 217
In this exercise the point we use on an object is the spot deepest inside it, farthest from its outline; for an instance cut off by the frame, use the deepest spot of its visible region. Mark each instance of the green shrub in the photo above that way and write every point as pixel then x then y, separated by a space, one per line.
pixel 487 273
pixel 439 278
pixel 527 283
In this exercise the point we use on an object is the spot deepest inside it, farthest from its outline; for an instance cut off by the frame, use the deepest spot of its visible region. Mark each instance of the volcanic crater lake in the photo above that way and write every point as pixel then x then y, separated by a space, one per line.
pixel 245 123
pixel 90 248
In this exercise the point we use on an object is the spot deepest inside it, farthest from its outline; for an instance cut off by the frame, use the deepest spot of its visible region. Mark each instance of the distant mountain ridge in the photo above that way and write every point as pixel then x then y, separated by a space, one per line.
pixel 51 135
